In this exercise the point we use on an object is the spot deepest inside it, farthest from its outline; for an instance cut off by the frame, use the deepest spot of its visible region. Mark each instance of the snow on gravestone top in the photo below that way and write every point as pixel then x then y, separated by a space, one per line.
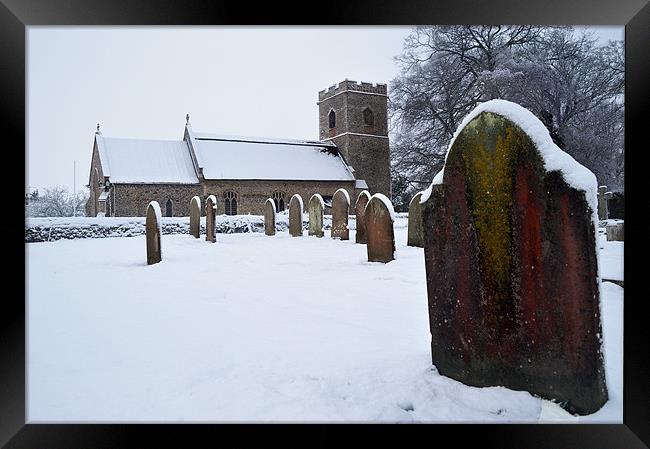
pixel 299 199
pixel 575 174
pixel 319 198
pixel 344 192
pixel 156 209
pixel 213 199
pixel 384 199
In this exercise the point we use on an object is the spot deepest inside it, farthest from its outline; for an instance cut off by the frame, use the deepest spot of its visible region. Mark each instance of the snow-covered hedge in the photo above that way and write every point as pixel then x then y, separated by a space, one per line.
pixel 50 229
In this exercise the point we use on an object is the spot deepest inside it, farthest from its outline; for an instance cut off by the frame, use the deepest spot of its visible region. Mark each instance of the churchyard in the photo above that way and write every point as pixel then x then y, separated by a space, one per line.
pixel 489 302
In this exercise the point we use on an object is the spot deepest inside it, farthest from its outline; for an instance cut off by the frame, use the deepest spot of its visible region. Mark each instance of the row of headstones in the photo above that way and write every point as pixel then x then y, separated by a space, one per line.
pixel 376 230
pixel 374 217
pixel 154 230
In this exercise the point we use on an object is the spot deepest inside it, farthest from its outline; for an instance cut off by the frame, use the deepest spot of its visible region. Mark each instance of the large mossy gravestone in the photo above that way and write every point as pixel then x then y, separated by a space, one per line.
pixel 153 228
pixel 269 217
pixel 380 216
pixel 316 206
pixel 210 219
pixel 359 211
pixel 295 216
pixel 415 237
pixel 195 216
pixel 510 257
pixel 340 213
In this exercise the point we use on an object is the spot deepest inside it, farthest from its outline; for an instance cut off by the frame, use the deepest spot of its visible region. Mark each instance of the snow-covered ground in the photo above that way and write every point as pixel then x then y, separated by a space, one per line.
pixel 256 328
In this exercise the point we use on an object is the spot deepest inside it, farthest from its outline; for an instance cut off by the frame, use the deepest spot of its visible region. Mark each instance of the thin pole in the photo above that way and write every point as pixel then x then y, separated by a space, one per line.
pixel 74 187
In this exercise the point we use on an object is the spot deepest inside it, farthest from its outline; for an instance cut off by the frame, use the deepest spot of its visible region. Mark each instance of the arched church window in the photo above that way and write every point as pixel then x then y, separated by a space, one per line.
pixel 168 208
pixel 332 119
pixel 230 202
pixel 280 201
pixel 368 116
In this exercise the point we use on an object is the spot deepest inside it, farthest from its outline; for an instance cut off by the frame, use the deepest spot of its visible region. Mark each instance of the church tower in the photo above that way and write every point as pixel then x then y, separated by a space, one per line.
pixel 354 116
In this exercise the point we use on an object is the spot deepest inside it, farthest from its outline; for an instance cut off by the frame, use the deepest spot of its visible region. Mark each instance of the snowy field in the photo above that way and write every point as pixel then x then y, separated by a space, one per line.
pixel 256 328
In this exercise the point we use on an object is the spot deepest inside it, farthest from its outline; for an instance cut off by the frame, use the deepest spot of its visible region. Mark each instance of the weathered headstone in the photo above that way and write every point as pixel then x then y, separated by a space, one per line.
pixel 510 257
pixel 615 232
pixel 340 212
pixel 269 217
pixel 415 236
pixel 195 216
pixel 616 206
pixel 153 229
pixel 316 206
pixel 380 216
pixel 295 216
pixel 210 219
pixel 602 202
pixel 359 211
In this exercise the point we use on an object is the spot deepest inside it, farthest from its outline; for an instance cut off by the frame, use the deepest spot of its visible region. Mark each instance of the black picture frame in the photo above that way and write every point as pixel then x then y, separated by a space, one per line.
pixel 16 15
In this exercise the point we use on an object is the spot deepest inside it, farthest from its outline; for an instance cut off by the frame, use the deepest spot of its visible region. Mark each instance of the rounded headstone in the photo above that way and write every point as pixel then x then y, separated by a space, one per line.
pixel 415 237
pixel 153 228
pixel 359 211
pixel 340 212
pixel 379 216
pixel 210 219
pixel 511 267
pixel 316 206
pixel 195 216
pixel 295 216
pixel 269 217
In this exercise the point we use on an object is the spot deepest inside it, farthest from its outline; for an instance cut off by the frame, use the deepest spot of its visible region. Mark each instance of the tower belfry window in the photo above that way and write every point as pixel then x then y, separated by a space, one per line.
pixel 332 119
pixel 368 116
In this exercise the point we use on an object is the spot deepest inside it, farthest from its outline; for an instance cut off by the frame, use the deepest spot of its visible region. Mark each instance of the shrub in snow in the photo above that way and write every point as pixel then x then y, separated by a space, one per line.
pixel 51 229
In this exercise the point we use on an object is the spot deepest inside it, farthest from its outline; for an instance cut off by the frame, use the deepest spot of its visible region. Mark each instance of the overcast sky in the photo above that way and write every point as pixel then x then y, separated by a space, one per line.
pixel 140 83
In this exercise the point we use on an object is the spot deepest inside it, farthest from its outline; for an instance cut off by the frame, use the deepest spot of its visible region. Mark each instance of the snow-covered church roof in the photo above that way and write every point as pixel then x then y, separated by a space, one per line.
pixel 233 157
pixel 140 161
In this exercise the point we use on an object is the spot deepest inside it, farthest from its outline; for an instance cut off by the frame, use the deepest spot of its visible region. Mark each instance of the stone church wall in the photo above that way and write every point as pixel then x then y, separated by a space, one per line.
pixel 251 195
pixel 131 200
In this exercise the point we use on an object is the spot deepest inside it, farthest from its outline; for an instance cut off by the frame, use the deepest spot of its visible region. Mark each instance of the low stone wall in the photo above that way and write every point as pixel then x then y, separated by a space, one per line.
pixel 51 229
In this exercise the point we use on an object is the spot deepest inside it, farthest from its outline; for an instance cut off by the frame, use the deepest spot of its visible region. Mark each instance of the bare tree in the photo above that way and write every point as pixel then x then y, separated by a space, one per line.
pixel 57 202
pixel 571 84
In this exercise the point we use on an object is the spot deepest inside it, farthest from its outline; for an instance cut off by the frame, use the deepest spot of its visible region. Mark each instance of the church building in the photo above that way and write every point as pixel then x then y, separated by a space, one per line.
pixel 242 172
